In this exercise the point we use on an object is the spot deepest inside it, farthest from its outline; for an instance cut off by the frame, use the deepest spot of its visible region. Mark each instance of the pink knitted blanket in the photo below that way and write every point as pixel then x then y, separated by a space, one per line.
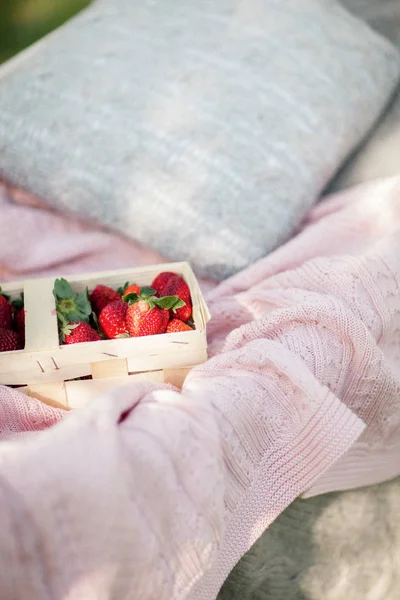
pixel 154 494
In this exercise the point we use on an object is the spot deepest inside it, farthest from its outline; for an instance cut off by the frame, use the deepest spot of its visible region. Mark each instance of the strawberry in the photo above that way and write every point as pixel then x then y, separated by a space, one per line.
pixel 19 324
pixel 76 333
pixel 161 280
pixel 147 314
pixel 9 340
pixel 132 289
pixel 101 296
pixel 141 319
pixel 5 313
pixel 19 317
pixel 176 325
pixel 177 286
pixel 71 306
pixel 112 319
pixel 129 288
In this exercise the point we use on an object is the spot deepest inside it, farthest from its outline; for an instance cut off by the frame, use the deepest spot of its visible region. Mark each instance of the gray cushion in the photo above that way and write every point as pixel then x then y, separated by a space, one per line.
pixel 380 155
pixel 204 129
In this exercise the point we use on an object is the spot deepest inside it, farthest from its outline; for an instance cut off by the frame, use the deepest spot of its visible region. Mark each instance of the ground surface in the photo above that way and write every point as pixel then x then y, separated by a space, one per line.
pixel 22 22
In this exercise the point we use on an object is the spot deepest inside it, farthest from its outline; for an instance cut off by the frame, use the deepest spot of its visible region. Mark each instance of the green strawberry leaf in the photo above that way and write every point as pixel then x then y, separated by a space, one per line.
pixel 95 322
pixel 131 298
pixel 83 304
pixel 63 324
pixel 147 292
pixel 71 311
pixel 65 306
pixel 122 335
pixel 122 289
pixel 61 318
pixel 68 309
pixel 77 308
pixel 62 289
pixel 169 302
pixel 18 304
pixel 150 302
pixel 73 306
pixel 79 316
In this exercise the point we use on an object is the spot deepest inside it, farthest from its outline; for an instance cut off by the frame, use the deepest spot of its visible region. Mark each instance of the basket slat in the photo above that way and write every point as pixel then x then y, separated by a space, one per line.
pixel 80 393
pixel 40 316
pixel 109 368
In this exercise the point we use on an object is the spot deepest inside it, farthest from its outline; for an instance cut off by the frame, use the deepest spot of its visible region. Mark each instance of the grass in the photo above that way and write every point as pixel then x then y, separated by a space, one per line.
pixel 22 22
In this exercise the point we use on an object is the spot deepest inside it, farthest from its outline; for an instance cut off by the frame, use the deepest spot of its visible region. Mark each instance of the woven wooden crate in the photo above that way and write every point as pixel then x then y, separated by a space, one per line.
pixel 47 370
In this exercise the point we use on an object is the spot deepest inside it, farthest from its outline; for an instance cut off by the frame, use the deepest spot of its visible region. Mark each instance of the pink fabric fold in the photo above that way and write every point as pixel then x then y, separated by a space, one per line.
pixel 155 493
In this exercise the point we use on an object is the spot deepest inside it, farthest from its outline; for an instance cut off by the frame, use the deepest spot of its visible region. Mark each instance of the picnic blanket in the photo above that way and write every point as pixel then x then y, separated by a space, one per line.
pixel 155 493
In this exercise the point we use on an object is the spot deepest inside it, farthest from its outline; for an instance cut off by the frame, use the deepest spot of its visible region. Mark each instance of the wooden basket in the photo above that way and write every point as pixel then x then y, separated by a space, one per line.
pixel 48 371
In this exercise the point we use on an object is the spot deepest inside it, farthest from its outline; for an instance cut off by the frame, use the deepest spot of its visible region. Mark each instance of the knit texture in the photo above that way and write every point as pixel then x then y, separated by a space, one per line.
pixel 151 493
pixel 205 131
pixel 380 155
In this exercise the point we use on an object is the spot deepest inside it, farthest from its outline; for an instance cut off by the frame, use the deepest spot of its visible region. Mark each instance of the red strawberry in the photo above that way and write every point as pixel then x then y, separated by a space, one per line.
pixel 132 289
pixel 19 323
pixel 144 319
pixel 101 296
pixel 112 319
pixel 5 313
pixel 161 280
pixel 177 286
pixel 147 314
pixel 9 340
pixel 128 288
pixel 75 333
pixel 176 325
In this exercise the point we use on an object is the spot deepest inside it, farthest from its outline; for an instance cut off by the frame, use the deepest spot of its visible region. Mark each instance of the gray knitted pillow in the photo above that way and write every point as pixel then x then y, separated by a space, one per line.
pixel 204 129
pixel 380 156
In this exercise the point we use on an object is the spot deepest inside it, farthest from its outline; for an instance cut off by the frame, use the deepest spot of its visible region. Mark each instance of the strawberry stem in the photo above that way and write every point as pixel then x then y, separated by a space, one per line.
pixel 72 305
pixel 147 294
pixel 19 302
pixel 131 298
pixel 121 290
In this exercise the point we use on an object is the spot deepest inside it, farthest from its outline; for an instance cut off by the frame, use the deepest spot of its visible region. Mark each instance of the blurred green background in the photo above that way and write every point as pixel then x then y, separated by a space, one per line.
pixel 22 22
